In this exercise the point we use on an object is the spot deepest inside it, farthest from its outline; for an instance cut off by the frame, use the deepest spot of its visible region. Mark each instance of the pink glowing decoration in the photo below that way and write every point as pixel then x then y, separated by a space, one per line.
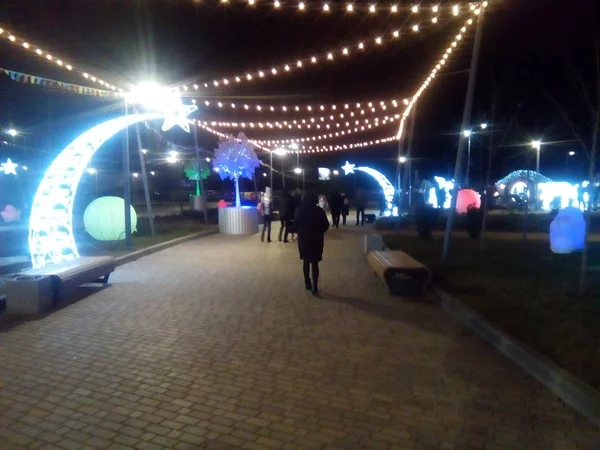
pixel 466 198
pixel 11 214
pixel 222 204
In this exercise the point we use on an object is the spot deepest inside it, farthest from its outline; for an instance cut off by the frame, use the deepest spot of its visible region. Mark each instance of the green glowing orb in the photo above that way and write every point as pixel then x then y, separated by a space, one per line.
pixel 104 219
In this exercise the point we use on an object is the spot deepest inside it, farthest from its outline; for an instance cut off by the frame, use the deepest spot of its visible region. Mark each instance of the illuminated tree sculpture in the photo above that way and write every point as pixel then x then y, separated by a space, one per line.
pixel 234 158
pixel 195 171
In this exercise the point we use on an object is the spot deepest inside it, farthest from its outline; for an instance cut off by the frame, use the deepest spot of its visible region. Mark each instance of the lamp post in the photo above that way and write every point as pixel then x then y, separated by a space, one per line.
pixel 281 152
pixel 537 146
pixel 299 171
pixel 571 153
pixel 402 160
pixel 467 134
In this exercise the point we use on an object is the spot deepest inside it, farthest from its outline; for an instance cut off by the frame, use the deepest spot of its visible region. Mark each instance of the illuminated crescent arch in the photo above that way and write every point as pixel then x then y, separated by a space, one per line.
pixel 386 186
pixel 51 237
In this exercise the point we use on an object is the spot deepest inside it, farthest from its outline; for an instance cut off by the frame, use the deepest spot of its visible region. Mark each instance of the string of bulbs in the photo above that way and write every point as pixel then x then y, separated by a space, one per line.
pixel 51 59
pixel 343 52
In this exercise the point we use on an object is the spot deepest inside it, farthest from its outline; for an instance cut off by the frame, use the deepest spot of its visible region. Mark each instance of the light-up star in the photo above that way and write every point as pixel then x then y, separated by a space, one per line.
pixel 178 115
pixel 9 167
pixel 348 168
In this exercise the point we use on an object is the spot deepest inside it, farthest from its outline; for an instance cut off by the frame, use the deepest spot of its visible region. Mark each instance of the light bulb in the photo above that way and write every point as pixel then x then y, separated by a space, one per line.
pixel 299 63
pixel 372 8
pixel 378 40
pixel 434 19
pixel 396 34
pixel 350 7
pixel 394 8
pixel 325 7
pixel 415 9
pixel 415 28
pixel 345 51
pixel 301 6
pixel 276 4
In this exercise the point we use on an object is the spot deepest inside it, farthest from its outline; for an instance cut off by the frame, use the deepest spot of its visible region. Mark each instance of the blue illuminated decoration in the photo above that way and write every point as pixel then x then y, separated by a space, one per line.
pixel 386 186
pixel 9 167
pixel 51 237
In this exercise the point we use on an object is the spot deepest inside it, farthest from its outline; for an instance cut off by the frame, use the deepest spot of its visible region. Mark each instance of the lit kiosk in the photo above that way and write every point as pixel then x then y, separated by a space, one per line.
pixel 55 259
pixel 235 158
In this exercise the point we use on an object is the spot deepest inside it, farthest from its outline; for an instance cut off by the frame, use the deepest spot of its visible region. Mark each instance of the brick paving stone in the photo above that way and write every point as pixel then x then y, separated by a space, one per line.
pixel 215 344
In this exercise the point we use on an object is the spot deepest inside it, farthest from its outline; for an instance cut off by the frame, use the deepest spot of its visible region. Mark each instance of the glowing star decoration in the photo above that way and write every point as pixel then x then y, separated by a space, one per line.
pixel 51 238
pixel 348 168
pixel 9 167
pixel 234 158
pixel 384 183
pixel 104 219
pixel 10 214
pixel 178 115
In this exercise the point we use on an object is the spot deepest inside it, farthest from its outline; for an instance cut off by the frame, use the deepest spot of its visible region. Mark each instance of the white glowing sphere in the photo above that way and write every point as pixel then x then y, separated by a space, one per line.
pixel 104 219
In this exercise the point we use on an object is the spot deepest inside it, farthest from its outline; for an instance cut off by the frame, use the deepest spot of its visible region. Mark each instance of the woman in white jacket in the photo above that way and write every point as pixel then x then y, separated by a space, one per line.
pixel 265 207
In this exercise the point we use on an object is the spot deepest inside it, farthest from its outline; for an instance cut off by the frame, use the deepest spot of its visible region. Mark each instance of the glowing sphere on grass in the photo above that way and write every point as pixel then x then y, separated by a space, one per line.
pixel 466 198
pixel 567 231
pixel 222 204
pixel 104 219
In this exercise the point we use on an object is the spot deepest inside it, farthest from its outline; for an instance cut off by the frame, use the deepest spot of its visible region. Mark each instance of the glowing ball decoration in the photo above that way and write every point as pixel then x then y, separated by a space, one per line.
pixel 567 231
pixel 104 219
pixel 222 204
pixel 466 198
pixel 10 214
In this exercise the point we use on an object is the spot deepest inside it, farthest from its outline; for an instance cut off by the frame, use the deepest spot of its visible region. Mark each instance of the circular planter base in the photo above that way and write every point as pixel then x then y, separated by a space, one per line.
pixel 197 202
pixel 237 221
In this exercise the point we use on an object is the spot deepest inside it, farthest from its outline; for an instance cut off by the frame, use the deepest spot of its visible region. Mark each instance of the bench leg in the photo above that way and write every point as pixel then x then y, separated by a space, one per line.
pixel 105 279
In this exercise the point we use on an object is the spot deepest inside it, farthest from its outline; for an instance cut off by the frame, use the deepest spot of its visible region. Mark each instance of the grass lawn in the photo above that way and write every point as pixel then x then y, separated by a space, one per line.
pixel 524 289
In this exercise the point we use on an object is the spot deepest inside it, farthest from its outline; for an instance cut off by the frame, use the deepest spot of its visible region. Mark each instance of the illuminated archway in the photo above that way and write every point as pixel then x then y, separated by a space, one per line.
pixel 386 186
pixel 51 237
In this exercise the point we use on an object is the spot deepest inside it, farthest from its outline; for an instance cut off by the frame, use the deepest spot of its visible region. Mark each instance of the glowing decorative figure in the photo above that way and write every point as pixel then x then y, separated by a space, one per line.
pixel 222 204
pixel 104 219
pixel 51 237
pixel 384 183
pixel 10 214
pixel 324 174
pixel 235 158
pixel 9 167
pixel 446 186
pixel 196 171
pixel 557 194
pixel 466 198
pixel 567 231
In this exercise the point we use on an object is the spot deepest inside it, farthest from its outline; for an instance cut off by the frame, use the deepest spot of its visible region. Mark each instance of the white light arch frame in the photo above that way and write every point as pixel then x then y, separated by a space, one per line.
pixel 386 186
pixel 51 238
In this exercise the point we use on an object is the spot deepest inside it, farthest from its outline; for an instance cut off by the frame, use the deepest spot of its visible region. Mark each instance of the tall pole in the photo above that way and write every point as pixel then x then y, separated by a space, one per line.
pixel 408 168
pixel 127 186
pixel 145 180
pixel 537 169
pixel 202 192
pixel 282 173
pixel 467 178
pixel 271 175
pixel 461 141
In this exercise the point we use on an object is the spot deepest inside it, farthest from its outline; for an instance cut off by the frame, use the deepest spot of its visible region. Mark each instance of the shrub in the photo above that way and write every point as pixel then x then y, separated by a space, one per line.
pixel 474 221
pixel 425 219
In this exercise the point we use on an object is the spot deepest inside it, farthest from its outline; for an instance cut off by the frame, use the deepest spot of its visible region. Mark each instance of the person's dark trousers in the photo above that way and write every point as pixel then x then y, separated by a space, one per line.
pixel 314 285
pixel 335 217
pixel 344 219
pixel 283 231
pixel 267 225
pixel 360 212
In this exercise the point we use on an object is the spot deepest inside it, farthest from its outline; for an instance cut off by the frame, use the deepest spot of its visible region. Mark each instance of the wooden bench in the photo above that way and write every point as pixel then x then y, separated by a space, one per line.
pixel 72 274
pixel 402 274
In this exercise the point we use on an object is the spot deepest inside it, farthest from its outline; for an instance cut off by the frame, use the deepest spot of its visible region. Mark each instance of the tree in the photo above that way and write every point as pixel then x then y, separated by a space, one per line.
pixel 197 170
pixel 235 158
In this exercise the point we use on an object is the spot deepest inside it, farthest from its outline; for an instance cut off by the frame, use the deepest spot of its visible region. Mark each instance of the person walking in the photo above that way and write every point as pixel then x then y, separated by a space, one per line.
pixel 335 205
pixel 311 222
pixel 361 204
pixel 345 207
pixel 323 203
pixel 286 214
pixel 265 208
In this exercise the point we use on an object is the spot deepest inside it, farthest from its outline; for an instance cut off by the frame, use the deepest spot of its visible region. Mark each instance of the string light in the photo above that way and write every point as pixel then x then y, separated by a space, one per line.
pixel 330 148
pixel 26 46
pixel 358 107
pixel 328 56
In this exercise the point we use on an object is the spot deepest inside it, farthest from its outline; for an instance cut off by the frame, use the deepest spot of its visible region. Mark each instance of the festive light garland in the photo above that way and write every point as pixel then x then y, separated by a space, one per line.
pixel 47 56
pixel 362 107
pixel 453 8
pixel 322 122
pixel 303 63
pixel 339 147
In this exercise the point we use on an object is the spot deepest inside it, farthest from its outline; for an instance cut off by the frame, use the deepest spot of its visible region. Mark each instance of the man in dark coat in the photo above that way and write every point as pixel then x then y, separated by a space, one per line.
pixel 345 208
pixel 335 205
pixel 286 214
pixel 361 204
pixel 311 223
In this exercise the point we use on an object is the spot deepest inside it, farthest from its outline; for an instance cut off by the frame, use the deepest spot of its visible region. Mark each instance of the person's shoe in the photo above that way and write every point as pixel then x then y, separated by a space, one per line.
pixel 308 285
pixel 279 239
pixel 269 240
pixel 262 239
pixel 286 241
pixel 315 292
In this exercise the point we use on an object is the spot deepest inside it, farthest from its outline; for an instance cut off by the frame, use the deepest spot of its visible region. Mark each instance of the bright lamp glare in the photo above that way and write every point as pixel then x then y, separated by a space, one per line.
pixel 91 171
pixel 12 132
pixel 153 96
pixel 280 151
pixel 467 133
pixel 298 170
pixel 402 159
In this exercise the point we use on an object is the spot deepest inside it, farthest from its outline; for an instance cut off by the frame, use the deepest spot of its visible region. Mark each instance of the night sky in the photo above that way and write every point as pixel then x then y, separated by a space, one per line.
pixel 530 52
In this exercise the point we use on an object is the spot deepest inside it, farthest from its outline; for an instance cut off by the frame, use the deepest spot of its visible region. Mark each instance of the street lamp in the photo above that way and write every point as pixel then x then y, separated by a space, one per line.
pixel 537 146
pixel 299 171
pixel 336 172
pixel 483 126
pixel 467 134
pixel 402 159
pixel 571 153
pixel 173 157
pixel 12 132
pixel 281 152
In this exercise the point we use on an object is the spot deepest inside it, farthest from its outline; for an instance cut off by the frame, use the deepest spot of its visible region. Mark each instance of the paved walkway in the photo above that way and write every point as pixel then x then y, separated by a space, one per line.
pixel 214 344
